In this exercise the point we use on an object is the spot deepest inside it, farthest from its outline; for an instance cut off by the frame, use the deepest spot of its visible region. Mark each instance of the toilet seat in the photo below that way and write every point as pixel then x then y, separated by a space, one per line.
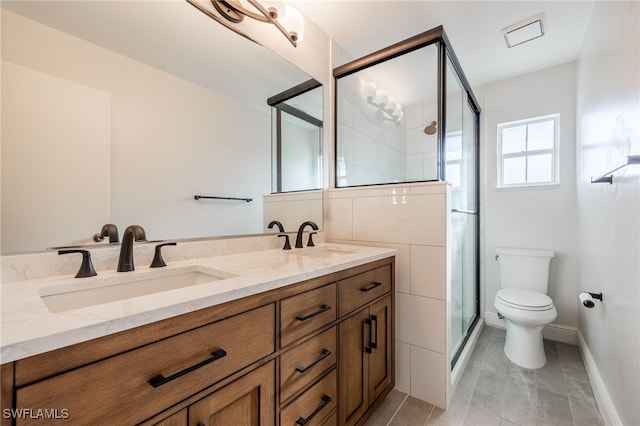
pixel 524 299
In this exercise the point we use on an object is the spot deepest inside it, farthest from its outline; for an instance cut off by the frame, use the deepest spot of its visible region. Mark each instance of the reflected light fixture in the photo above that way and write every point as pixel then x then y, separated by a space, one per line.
pixel 524 31
pixel 387 107
pixel 231 12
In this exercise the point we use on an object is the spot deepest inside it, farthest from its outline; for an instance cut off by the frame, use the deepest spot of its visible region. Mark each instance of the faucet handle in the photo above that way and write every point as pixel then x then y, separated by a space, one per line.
pixel 158 261
pixel 310 242
pixel 86 268
pixel 287 246
pixel 276 223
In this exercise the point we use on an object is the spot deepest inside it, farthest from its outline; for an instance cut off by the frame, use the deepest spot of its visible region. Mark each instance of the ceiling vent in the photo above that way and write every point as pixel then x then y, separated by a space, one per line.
pixel 524 31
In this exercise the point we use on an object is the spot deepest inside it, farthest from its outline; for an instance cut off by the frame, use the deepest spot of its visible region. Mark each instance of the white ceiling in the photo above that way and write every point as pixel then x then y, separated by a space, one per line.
pixel 473 27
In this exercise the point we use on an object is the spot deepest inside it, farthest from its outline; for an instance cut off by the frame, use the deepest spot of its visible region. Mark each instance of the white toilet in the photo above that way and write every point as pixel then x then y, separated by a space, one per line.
pixel 524 303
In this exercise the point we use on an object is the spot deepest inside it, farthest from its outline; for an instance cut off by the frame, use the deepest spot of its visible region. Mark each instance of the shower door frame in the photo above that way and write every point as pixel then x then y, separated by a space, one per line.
pixel 436 36
pixel 447 52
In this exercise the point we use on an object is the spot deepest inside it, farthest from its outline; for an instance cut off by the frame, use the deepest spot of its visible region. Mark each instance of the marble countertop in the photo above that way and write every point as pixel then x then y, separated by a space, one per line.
pixel 29 328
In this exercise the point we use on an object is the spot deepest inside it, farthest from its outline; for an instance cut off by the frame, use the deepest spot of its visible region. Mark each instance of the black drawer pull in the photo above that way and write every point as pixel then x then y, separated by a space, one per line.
pixel 371 287
pixel 374 345
pixel 326 399
pixel 322 309
pixel 367 348
pixel 325 353
pixel 160 380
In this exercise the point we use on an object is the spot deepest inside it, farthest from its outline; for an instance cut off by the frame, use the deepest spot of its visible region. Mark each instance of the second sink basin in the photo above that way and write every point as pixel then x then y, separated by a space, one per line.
pixel 323 252
pixel 81 293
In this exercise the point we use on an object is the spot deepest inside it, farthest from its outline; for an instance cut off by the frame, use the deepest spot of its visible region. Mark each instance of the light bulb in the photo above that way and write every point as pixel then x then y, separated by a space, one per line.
pixel 370 91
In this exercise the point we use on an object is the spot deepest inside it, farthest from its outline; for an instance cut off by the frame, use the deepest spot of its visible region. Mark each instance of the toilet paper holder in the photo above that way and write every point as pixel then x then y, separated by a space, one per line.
pixel 586 298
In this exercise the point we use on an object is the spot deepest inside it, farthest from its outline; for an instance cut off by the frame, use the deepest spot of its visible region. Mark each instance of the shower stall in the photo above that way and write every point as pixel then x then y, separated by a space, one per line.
pixel 406 114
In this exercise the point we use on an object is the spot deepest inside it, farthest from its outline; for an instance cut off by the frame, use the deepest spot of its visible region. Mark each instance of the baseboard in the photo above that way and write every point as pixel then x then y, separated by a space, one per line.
pixel 605 404
pixel 555 332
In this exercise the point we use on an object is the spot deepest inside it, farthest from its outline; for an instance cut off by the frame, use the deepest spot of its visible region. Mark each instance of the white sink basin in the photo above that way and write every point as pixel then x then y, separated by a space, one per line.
pixel 81 293
pixel 323 252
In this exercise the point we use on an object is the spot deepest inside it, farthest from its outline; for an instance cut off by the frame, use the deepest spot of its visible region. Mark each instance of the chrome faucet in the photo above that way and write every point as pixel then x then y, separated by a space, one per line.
pixel 301 229
pixel 133 232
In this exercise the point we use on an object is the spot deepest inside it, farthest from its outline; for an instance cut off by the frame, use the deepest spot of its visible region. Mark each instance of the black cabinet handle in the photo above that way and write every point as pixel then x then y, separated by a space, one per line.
pixel 371 287
pixel 160 380
pixel 201 424
pixel 367 348
pixel 325 353
pixel 326 399
pixel 322 309
pixel 374 345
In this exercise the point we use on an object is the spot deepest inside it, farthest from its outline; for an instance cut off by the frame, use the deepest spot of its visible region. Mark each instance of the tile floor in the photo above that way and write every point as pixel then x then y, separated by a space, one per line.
pixel 495 392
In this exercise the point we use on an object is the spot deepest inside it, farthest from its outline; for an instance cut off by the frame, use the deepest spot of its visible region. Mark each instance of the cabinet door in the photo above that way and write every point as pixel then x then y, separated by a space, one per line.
pixel 178 419
pixel 248 401
pixel 380 365
pixel 354 338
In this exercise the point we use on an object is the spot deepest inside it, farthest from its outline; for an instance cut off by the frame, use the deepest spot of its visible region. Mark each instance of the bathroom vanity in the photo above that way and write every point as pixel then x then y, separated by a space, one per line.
pixel 305 337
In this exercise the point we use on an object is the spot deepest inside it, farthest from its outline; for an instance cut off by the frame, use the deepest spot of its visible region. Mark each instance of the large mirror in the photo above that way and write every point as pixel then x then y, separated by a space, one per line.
pixel 121 112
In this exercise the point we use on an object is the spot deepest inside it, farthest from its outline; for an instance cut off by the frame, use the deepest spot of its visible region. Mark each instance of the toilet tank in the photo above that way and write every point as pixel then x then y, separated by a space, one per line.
pixel 524 268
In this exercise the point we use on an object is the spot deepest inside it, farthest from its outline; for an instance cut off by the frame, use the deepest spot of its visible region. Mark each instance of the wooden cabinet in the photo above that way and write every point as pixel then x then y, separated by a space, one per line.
pixel 304 363
pixel 144 381
pixel 319 352
pixel 307 312
pixel 366 344
pixel 249 401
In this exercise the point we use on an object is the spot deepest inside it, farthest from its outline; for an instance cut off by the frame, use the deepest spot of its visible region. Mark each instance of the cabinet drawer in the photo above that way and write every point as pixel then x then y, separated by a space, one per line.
pixel 119 388
pixel 360 289
pixel 314 405
pixel 304 363
pixel 306 312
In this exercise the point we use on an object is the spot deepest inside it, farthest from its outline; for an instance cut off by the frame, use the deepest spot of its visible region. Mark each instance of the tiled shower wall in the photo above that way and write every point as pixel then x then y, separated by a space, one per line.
pixel 411 218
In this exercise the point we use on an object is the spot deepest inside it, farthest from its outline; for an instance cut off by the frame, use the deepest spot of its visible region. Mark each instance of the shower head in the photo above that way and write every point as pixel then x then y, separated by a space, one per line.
pixel 431 128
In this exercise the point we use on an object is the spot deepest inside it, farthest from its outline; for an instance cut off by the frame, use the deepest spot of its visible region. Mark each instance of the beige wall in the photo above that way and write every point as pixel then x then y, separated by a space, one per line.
pixel 537 218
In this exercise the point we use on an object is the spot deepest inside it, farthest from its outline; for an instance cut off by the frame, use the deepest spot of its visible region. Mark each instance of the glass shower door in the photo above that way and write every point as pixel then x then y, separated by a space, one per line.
pixel 461 162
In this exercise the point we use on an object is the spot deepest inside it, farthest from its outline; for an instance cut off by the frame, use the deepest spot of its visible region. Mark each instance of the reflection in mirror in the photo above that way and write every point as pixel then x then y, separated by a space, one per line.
pixel 387 116
pixel 121 112
pixel 297 138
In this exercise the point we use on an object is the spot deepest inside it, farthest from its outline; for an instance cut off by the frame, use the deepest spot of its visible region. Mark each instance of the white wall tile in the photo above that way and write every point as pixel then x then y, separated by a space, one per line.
pixel 428 376
pixel 428 271
pixel 418 219
pixel 340 218
pixel 403 367
pixel 421 321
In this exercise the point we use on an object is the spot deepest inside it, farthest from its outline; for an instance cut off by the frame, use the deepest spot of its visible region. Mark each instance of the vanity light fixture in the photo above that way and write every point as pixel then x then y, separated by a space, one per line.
pixel 231 12
pixel 387 107
pixel 524 31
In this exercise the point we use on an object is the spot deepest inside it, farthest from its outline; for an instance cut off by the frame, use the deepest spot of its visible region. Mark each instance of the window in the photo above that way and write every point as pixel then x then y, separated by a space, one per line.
pixel 528 152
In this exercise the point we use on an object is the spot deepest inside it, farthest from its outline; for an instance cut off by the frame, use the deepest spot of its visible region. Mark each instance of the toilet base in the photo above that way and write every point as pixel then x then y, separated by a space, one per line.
pixel 524 346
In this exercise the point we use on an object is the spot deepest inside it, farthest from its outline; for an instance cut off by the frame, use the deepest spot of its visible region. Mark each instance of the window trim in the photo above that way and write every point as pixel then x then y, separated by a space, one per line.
pixel 555 153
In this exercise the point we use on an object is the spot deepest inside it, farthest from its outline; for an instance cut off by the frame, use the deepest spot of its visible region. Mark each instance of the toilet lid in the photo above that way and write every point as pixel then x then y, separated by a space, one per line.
pixel 525 299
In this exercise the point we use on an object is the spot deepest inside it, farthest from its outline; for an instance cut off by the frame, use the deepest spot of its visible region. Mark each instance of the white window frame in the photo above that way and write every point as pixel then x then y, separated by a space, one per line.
pixel 554 151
